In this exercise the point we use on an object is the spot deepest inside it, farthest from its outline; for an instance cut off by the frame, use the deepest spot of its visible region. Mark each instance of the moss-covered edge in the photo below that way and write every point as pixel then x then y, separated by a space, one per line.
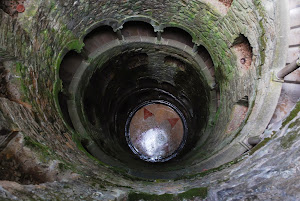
pixel 260 145
pixel 288 140
pixel 262 38
pixel 292 115
pixel 188 195
pixel 45 154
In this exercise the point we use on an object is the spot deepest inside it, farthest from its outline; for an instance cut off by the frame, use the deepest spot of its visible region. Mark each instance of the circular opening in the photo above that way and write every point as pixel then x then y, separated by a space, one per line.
pixel 156 132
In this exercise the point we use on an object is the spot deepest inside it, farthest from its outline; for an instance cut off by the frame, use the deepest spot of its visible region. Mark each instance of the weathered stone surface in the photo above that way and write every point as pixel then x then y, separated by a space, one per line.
pixel 36 41
pixel 54 25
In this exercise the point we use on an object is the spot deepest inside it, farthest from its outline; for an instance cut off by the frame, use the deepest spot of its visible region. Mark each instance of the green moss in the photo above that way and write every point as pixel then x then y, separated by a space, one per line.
pixel 222 181
pixel 292 124
pixel 43 151
pixel 45 34
pixel 289 139
pixel 45 154
pixel 192 193
pixel 292 115
pixel 34 144
pixel 76 45
pixel 160 180
pixel 20 68
pixel 263 45
pixel 100 183
pixel 63 167
pixel 133 196
pixel 190 14
pixel 262 38
pixel 49 52
pixel 149 12
pixel 25 90
pixel 76 139
pixel 24 82
pixel 52 5
pixel 220 73
pixel 258 146
pixel 32 9
pixel 217 114
pixel 57 87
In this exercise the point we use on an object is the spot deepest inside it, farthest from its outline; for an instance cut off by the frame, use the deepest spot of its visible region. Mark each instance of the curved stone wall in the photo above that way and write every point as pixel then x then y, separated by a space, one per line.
pixel 239 45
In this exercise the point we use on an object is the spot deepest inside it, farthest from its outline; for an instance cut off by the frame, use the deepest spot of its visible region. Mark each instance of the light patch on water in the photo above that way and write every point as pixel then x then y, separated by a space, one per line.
pixel 154 143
